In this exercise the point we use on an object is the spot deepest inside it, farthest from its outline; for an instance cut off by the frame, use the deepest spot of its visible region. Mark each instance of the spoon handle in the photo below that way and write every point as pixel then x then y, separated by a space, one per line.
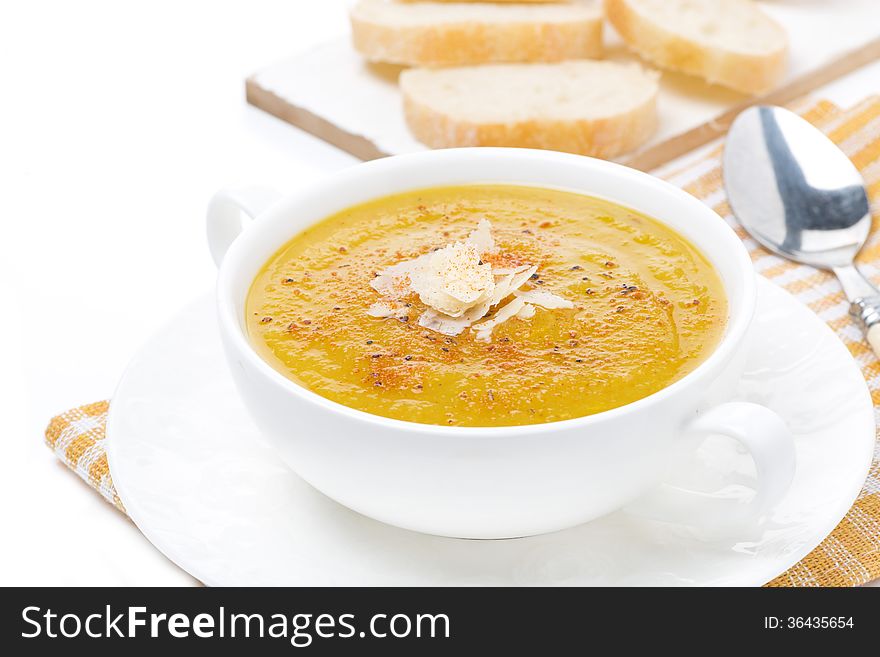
pixel 864 302
pixel 874 338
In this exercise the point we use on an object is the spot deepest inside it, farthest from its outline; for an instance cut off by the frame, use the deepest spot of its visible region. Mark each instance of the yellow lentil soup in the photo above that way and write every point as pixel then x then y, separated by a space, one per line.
pixel 642 308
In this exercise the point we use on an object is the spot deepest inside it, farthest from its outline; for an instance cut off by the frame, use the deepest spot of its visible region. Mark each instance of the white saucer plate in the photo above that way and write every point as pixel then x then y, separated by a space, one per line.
pixel 204 487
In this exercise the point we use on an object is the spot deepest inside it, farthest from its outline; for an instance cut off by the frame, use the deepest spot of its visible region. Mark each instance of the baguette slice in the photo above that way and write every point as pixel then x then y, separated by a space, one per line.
pixel 453 34
pixel 500 1
pixel 727 42
pixel 588 107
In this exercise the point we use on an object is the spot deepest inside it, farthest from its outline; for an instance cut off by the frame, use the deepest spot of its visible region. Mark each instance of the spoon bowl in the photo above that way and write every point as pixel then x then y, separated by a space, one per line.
pixel 793 189
pixel 800 196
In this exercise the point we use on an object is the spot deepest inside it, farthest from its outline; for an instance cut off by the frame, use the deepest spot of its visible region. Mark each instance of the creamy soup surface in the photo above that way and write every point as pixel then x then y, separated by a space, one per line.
pixel 646 309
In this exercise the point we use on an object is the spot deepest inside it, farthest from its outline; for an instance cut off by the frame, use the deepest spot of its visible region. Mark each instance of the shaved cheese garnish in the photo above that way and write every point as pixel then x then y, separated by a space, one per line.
pixel 482 238
pixel 385 308
pixel 441 323
pixel 394 281
pixel 511 282
pixel 484 329
pixel 454 279
pixel 459 289
pixel 544 299
pixel 526 312
pixel 451 279
pixel 504 271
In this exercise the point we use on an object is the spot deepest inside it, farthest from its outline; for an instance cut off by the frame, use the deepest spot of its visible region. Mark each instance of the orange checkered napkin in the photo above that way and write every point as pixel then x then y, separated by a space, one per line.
pixel 77 438
pixel 851 554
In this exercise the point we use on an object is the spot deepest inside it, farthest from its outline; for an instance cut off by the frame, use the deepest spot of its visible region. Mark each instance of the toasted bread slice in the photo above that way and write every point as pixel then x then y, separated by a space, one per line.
pixel 728 42
pixel 460 33
pixel 588 107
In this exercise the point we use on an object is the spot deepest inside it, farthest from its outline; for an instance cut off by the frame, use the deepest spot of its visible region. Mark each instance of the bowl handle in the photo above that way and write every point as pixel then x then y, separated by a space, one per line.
pixel 765 435
pixel 230 210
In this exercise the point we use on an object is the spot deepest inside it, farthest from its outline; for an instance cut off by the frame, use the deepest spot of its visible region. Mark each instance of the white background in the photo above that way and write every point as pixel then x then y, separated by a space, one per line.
pixel 118 120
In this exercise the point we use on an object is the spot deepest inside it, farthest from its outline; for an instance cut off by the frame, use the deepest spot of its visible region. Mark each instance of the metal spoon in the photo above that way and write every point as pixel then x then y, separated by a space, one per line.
pixel 800 196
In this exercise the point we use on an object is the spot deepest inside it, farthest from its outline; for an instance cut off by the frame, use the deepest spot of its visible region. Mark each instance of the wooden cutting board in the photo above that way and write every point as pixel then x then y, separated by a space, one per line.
pixel 332 93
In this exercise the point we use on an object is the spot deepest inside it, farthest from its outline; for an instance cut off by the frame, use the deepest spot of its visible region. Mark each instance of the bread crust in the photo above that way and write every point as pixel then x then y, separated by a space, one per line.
pixel 747 73
pixel 455 44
